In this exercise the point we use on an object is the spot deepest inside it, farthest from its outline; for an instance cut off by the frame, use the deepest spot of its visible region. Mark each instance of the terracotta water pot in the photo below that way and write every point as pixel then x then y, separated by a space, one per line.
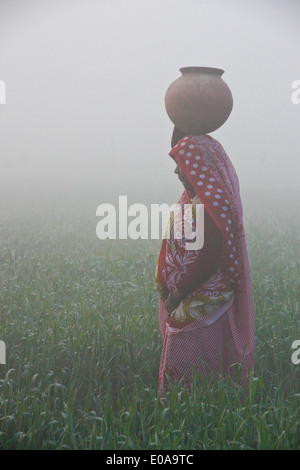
pixel 199 101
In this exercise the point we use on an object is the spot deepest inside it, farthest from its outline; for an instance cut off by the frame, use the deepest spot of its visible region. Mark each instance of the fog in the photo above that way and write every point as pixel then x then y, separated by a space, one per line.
pixel 86 80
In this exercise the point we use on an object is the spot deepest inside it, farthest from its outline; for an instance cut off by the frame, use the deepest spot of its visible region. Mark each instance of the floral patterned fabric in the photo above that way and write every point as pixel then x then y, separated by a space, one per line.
pixel 184 269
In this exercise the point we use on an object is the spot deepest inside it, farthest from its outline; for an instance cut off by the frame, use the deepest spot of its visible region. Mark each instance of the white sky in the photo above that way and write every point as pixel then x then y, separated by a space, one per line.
pixel 86 81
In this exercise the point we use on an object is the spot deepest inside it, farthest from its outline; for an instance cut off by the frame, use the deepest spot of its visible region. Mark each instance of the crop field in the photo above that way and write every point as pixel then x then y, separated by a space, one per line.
pixel 79 320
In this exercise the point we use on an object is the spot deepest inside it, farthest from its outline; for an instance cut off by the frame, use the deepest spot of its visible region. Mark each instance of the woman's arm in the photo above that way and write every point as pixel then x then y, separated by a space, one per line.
pixel 173 300
pixel 207 261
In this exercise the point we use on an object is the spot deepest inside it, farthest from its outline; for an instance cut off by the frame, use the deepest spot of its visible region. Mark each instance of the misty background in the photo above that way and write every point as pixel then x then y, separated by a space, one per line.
pixel 85 119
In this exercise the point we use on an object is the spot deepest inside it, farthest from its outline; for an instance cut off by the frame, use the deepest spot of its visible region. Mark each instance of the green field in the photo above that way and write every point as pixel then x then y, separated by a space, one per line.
pixel 79 319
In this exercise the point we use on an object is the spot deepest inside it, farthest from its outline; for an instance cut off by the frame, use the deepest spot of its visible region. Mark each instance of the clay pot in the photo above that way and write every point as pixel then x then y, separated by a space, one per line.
pixel 199 101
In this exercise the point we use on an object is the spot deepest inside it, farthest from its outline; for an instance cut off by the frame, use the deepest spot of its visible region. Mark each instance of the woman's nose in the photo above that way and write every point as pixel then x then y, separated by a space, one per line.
pixel 176 171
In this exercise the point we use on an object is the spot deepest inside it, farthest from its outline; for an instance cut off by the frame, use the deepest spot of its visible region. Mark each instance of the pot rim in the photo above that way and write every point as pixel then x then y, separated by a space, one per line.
pixel 212 70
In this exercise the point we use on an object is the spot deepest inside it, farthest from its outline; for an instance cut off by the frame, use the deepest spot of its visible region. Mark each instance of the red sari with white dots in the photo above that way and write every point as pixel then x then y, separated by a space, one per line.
pixel 212 344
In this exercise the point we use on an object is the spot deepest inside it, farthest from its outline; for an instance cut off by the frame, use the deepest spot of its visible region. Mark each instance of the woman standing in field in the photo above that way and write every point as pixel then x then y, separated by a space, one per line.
pixel 206 306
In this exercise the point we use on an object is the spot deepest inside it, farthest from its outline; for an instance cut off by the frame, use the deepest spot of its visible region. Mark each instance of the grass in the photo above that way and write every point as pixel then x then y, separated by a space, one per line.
pixel 79 319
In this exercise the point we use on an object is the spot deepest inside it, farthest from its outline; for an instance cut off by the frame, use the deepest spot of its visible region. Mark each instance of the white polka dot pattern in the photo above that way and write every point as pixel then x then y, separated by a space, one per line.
pixel 215 200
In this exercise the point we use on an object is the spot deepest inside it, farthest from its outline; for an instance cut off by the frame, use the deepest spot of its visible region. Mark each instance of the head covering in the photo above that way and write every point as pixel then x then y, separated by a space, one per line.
pixel 209 170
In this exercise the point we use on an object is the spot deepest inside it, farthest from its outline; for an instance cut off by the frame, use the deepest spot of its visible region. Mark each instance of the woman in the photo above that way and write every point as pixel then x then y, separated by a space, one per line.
pixel 206 310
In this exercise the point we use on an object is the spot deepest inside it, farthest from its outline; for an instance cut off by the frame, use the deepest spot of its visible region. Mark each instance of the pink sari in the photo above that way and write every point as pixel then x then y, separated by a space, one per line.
pixel 213 343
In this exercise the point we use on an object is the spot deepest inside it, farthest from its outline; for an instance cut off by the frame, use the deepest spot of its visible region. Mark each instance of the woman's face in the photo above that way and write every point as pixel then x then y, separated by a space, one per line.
pixel 183 178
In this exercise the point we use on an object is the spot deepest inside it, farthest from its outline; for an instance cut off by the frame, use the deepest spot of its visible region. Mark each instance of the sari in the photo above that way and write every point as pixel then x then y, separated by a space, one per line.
pixel 212 329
